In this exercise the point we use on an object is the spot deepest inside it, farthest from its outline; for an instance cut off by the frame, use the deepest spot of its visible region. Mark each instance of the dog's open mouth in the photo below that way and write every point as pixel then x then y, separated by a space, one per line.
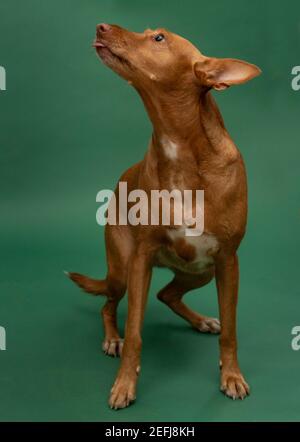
pixel 105 52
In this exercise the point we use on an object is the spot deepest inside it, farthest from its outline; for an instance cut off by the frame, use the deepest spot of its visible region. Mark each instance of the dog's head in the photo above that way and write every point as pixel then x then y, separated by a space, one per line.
pixel 160 59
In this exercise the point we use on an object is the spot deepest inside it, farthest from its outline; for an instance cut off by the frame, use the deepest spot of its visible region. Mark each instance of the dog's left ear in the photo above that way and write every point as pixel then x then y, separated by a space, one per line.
pixel 220 73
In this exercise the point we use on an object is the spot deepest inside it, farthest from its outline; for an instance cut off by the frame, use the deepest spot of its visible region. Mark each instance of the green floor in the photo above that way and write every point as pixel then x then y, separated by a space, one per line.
pixel 68 128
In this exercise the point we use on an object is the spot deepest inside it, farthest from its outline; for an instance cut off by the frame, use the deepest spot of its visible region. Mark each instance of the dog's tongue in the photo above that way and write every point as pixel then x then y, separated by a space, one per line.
pixel 98 44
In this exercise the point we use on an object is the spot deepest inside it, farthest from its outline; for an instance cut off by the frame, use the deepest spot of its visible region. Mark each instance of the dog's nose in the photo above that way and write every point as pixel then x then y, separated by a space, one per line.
pixel 103 27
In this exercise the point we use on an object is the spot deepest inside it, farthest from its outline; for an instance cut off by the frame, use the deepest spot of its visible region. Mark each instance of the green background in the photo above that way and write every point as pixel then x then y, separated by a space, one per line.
pixel 68 128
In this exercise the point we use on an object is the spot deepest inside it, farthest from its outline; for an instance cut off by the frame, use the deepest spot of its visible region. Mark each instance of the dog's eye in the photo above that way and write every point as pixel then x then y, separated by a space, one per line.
pixel 159 37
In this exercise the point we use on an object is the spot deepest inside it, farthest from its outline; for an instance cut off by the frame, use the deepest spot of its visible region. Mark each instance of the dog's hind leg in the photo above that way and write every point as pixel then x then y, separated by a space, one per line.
pixel 112 344
pixel 118 250
pixel 172 294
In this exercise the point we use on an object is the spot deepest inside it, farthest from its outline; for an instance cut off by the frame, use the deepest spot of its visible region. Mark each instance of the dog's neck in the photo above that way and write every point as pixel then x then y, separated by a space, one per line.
pixel 189 118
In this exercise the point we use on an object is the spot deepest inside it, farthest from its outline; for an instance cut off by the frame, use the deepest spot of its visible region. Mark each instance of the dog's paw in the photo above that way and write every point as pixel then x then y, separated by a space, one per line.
pixel 122 393
pixel 234 385
pixel 112 347
pixel 208 325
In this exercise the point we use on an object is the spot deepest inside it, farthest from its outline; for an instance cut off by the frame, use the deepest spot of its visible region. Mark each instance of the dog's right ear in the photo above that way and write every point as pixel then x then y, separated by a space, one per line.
pixel 220 73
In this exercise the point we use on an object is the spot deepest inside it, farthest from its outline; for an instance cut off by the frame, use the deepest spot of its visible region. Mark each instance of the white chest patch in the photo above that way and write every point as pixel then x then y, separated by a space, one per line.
pixel 206 246
pixel 170 148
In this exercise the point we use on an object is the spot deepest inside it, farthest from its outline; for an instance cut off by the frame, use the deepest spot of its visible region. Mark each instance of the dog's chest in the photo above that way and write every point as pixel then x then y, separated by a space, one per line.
pixel 190 254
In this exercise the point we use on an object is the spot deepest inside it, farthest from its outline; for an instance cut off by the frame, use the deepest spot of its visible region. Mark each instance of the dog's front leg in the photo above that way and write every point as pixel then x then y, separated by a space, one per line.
pixel 233 383
pixel 139 275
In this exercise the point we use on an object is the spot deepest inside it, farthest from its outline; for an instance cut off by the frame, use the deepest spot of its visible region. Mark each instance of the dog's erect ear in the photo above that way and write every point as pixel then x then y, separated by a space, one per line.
pixel 220 73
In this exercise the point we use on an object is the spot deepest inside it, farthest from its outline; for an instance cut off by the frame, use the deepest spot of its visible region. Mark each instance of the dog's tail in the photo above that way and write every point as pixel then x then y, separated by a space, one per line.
pixel 93 286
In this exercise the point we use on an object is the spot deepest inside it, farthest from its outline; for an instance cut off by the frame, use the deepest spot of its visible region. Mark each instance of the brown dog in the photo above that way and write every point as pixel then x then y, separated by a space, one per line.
pixel 190 149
